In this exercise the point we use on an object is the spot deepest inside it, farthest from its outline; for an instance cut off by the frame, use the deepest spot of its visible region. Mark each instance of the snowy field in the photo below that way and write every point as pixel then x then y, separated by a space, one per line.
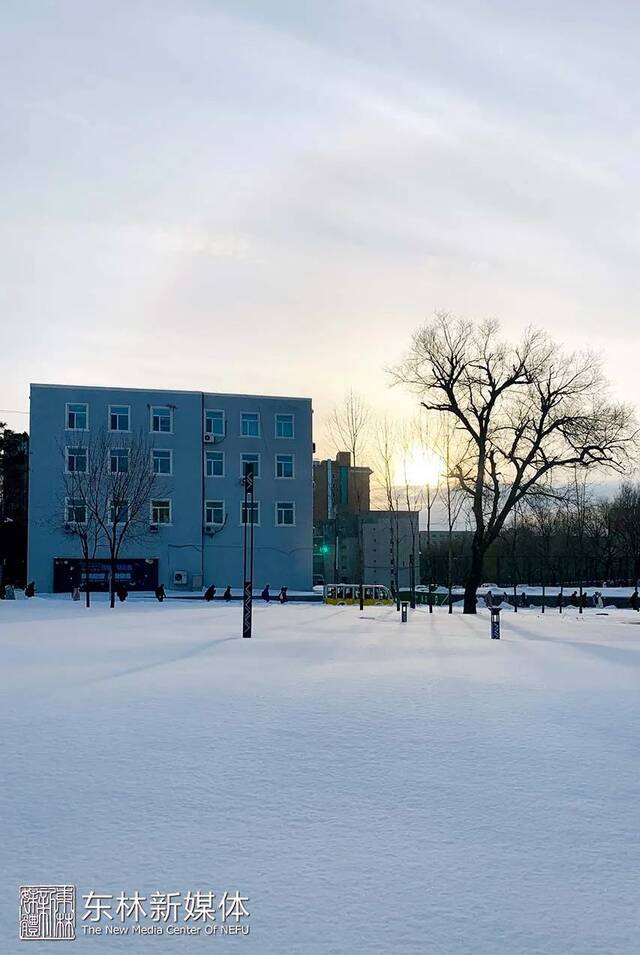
pixel 372 787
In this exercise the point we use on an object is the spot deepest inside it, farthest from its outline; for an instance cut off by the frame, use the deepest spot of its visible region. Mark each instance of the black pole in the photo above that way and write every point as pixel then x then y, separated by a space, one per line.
pixel 412 571
pixel 247 552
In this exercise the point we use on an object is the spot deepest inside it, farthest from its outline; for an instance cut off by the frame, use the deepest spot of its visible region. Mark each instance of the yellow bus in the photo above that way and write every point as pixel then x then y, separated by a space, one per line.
pixel 347 594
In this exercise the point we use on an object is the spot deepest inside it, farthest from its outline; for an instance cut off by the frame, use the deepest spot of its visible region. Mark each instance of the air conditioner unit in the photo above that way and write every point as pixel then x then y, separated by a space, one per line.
pixel 209 438
pixel 153 528
pixel 180 578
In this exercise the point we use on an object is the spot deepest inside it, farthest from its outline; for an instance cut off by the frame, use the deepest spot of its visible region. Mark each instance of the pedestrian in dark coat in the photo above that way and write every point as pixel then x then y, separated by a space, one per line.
pixel 30 589
pixel 160 593
pixel 574 600
pixel 634 600
pixel 227 594
pixel 282 596
pixel 210 593
pixel 122 592
pixel 266 596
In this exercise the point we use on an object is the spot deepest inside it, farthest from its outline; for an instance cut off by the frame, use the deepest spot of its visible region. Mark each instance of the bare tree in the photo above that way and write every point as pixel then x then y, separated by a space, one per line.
pixel 111 490
pixel 348 425
pixel 452 452
pixel 79 520
pixel 529 411
pixel 386 460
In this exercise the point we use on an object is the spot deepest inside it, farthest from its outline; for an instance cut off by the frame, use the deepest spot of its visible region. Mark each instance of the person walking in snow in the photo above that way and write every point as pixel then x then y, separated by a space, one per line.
pixel 30 589
pixel 488 599
pixel 282 596
pixel 160 593
pixel 266 596
pixel 574 600
pixel 210 593
pixel 634 600
pixel 227 594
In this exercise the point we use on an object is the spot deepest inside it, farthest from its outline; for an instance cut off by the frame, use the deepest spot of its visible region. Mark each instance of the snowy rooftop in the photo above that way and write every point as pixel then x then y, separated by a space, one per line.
pixel 370 786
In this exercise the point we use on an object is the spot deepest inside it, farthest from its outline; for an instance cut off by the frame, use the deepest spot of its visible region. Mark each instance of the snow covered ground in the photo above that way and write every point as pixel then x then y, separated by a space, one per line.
pixel 370 786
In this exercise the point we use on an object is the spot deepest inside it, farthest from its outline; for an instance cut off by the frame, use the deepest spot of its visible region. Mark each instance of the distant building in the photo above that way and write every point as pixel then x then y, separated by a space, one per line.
pixel 339 488
pixel 384 538
pixel 191 532
pixel 389 538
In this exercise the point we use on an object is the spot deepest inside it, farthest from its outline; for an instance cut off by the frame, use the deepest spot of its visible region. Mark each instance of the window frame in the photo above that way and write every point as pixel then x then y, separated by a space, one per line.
pixel 254 414
pixel 69 448
pixel 120 430
pixel 66 415
pixel 151 417
pixel 66 512
pixel 255 523
pixel 163 500
pixel 211 503
pixel 208 453
pixel 254 454
pixel 168 451
pixel 285 477
pixel 111 506
pixel 118 470
pixel 292 505
pixel 219 411
pixel 285 414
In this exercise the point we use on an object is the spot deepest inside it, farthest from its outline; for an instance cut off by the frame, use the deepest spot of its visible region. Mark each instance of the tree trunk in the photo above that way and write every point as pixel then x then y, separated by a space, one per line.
pixel 112 586
pixel 474 578
pixel 86 582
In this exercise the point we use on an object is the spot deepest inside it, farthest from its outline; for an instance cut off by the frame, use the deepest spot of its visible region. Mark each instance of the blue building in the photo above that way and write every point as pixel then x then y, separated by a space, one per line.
pixel 190 532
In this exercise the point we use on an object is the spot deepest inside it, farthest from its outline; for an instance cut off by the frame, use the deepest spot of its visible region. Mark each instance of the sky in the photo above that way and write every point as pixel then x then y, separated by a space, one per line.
pixel 268 196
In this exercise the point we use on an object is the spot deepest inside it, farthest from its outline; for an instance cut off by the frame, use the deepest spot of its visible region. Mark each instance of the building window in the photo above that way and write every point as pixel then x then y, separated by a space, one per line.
pixel 214 463
pixel 161 511
pixel 285 514
pixel 284 466
pixel 119 418
pixel 250 424
pixel 75 511
pixel 247 513
pixel 214 512
pixel 162 461
pixel 119 512
pixel 214 423
pixel 119 460
pixel 161 419
pixel 76 460
pixel 77 417
pixel 250 458
pixel 284 426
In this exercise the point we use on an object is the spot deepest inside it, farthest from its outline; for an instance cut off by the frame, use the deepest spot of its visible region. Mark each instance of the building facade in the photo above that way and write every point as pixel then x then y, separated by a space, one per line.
pixel 371 544
pixel 199 444
pixel 339 488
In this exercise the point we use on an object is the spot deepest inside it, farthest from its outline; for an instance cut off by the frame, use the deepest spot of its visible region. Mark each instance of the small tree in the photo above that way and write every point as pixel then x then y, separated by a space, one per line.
pixel 386 454
pixel 112 490
pixel 348 426
pixel 529 411
pixel 452 453
pixel 80 521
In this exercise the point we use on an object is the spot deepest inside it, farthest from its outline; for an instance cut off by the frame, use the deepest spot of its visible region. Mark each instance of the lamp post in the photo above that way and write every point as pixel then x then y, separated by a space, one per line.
pixel 247 552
